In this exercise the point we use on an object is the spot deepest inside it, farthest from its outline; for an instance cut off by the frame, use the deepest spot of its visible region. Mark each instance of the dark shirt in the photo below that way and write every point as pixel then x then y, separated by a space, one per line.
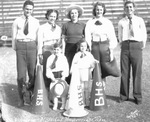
pixel 73 31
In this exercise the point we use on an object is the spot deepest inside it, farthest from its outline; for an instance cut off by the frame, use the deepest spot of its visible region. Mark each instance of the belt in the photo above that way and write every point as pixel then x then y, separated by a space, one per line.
pixel 50 42
pixel 25 40
pixel 101 42
pixel 130 41
pixel 47 48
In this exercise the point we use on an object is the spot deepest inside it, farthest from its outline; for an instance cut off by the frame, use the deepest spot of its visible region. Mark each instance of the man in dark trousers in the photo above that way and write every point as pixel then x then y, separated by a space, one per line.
pixel 132 37
pixel 24 33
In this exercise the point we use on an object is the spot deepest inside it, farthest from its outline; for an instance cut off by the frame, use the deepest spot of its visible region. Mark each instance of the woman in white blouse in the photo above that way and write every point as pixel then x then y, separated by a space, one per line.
pixel 48 34
pixel 100 35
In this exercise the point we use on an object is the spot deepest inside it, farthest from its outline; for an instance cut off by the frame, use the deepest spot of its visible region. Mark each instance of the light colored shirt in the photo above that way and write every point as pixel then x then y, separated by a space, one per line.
pixel 18 29
pixel 100 32
pixel 88 61
pixel 139 30
pixel 47 36
pixel 60 65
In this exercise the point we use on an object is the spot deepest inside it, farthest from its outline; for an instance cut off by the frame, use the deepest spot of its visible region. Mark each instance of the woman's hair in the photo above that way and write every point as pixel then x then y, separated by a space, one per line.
pixel 79 14
pixel 82 41
pixel 49 11
pixel 28 2
pixel 98 4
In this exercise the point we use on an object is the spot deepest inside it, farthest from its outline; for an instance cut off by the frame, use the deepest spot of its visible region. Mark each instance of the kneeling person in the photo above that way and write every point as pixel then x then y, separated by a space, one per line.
pixel 57 69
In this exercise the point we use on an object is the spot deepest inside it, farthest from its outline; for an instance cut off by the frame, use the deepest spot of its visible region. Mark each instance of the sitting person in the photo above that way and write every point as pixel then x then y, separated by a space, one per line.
pixel 57 67
pixel 85 62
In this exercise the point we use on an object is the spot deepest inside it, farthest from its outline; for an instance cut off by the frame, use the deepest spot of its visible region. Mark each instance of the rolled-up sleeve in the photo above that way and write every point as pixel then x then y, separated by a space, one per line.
pixel 112 37
pixel 88 36
pixel 14 34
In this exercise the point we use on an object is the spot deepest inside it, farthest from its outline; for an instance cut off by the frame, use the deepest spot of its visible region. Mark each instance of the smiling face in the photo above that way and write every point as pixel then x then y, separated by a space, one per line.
pixel 129 9
pixel 57 51
pixel 99 10
pixel 28 10
pixel 83 46
pixel 52 17
pixel 74 14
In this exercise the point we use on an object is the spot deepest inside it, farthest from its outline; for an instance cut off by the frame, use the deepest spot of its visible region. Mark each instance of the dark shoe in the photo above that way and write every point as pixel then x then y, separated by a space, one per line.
pixel 138 102
pixel 30 86
pixel 27 97
pixel 21 103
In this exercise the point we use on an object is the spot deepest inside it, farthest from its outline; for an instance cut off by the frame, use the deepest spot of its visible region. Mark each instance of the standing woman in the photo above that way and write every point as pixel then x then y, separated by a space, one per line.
pixel 72 32
pixel 100 35
pixel 48 34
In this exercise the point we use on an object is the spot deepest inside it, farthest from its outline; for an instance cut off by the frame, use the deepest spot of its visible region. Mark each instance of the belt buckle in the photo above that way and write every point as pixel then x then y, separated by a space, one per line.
pixel 27 40
pixel 20 40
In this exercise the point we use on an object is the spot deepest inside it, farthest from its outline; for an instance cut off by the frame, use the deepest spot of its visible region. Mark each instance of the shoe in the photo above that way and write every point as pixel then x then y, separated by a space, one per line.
pixel 62 108
pixel 87 107
pixel 54 108
pixel 121 100
pixel 29 86
pixel 21 103
pixel 138 102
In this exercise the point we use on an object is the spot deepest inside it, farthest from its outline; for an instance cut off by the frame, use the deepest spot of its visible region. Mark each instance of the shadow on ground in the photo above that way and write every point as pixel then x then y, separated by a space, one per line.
pixel 10 97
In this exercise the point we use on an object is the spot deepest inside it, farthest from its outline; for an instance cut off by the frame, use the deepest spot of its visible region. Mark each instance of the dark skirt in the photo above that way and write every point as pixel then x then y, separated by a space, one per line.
pixel 70 50
pixel 101 52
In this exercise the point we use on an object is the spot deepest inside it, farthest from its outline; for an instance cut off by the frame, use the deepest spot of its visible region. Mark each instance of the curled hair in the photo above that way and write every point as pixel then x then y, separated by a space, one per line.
pixel 49 11
pixel 28 2
pixel 79 14
pixel 82 41
pixel 98 4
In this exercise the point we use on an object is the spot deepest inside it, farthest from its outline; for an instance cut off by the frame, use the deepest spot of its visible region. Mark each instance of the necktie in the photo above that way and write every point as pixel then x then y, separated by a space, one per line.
pixel 82 55
pixel 54 62
pixel 98 23
pixel 53 27
pixel 131 27
pixel 26 27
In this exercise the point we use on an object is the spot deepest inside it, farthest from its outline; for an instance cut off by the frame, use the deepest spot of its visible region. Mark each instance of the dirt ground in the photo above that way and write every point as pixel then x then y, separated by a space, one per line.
pixel 116 112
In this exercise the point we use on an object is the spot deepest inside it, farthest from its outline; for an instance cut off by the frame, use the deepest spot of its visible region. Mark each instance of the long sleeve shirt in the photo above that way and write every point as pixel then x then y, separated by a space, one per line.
pixel 138 26
pixel 18 29
pixel 60 65
pixel 88 61
pixel 48 36
pixel 102 32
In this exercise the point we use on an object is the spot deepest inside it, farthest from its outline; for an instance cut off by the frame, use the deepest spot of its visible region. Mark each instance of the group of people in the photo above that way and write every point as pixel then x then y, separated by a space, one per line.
pixel 59 49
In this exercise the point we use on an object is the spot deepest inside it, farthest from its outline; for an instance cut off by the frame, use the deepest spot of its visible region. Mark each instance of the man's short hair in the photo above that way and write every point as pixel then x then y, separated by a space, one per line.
pixel 128 2
pixel 58 45
pixel 28 2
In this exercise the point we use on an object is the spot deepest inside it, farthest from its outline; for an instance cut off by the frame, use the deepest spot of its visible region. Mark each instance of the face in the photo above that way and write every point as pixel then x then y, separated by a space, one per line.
pixel 74 14
pixel 83 46
pixel 99 11
pixel 129 9
pixel 52 17
pixel 57 51
pixel 28 10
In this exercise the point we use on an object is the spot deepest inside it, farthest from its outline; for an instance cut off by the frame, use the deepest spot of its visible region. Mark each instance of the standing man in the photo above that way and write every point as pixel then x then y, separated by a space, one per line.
pixel 132 36
pixel 24 33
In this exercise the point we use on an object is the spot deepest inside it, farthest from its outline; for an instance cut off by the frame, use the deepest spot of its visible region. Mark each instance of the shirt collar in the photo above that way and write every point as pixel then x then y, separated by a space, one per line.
pixel 23 16
pixel 78 22
pixel 132 17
